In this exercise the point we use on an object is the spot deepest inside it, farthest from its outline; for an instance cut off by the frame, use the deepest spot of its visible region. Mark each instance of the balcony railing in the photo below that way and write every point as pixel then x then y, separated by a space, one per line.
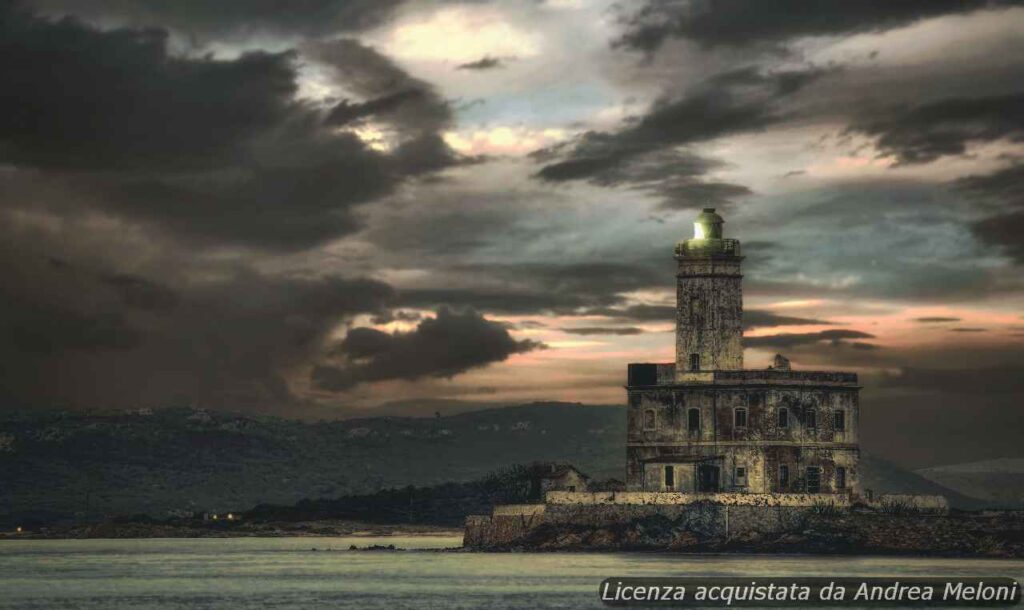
pixel 644 374
pixel 708 248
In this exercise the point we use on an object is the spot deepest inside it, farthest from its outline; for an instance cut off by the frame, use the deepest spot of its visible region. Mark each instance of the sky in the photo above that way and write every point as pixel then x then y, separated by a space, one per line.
pixel 316 212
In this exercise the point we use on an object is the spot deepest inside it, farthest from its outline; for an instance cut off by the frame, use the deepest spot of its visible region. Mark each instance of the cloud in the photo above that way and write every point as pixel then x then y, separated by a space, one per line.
pixel 639 313
pixel 834 338
pixel 926 132
pixel 1006 379
pixel 1003 231
pixel 443 346
pixel 752 318
pixel 214 151
pixel 1006 184
pixel 215 335
pixel 1001 193
pixel 755 318
pixel 964 329
pixel 532 287
pixel 643 154
pixel 603 330
pixel 234 18
pixel 484 63
pixel 748 22
pixel 935 319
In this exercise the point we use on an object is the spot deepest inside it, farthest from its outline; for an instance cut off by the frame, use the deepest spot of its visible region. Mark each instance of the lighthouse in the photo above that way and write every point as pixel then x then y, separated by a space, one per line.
pixel 709 300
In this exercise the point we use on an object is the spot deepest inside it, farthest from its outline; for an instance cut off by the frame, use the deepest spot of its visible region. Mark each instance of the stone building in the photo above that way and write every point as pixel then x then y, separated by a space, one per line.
pixel 705 424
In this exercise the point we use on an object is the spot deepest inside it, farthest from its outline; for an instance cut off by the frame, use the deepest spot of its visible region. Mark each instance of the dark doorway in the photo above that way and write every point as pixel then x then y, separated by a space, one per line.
pixel 707 478
pixel 813 479
pixel 670 479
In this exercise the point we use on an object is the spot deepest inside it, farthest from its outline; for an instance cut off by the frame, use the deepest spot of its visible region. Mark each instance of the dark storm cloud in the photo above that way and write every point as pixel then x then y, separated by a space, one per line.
pixel 119 330
pixel 536 288
pixel 1006 184
pixel 408 102
pixel 831 337
pixel 691 195
pixel 1004 231
pixel 745 22
pixel 90 100
pixel 1001 193
pixel 639 313
pixel 755 318
pixel 603 330
pixel 935 319
pixel 945 127
pixel 484 63
pixel 965 329
pixel 1007 379
pixel 136 291
pixel 33 330
pixel 752 318
pixel 346 111
pixel 443 346
pixel 642 154
pixel 234 17
pixel 215 151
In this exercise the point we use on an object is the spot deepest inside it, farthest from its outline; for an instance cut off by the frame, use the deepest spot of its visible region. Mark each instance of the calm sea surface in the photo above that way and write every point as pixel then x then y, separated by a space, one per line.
pixel 286 573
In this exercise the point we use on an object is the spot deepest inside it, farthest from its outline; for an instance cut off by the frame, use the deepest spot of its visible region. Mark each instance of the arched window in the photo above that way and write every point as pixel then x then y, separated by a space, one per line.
pixel 739 417
pixel 670 477
pixel 839 423
pixel 783 476
pixel 840 477
pixel 693 419
pixel 650 419
pixel 696 311
pixel 694 362
pixel 783 417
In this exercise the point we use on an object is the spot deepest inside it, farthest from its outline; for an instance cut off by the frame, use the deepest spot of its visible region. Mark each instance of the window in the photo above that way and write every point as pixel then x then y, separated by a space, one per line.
pixel 840 421
pixel 783 476
pixel 670 477
pixel 650 419
pixel 813 479
pixel 783 417
pixel 572 488
pixel 740 418
pixel 740 476
pixel 694 362
pixel 693 420
pixel 811 419
pixel 840 477
pixel 696 311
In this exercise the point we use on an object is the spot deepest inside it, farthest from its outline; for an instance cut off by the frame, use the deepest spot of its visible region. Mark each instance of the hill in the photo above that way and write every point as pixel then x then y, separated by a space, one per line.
pixel 61 465
pixel 998 482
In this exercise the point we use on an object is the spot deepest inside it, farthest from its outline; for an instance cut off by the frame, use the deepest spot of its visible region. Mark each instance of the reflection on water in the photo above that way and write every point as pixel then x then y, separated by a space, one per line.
pixel 288 573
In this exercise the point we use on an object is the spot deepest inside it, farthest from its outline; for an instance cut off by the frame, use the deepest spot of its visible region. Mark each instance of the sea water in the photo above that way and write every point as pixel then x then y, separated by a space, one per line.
pixel 306 573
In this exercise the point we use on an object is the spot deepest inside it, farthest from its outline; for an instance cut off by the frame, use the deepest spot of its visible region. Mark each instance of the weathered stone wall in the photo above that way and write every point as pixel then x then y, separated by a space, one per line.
pixel 646 498
pixel 719 517
pixel 821 430
pixel 709 313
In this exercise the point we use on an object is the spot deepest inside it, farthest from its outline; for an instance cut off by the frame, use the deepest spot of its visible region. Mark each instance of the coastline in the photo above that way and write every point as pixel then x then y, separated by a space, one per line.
pixel 305 529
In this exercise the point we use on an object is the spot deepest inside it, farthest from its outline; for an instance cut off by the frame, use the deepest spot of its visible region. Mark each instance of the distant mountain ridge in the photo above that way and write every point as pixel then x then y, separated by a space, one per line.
pixel 61 465
pixel 999 482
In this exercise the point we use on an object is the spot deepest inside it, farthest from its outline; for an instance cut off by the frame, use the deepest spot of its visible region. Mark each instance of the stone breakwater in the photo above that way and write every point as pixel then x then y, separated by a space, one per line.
pixel 780 526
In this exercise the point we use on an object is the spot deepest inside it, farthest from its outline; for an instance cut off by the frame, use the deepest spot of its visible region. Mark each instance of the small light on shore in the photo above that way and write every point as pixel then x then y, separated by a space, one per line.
pixel 231 517
pixel 18 530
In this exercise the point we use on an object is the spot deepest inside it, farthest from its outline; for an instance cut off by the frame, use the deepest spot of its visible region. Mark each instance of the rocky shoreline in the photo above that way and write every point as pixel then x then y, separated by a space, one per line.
pixel 995 534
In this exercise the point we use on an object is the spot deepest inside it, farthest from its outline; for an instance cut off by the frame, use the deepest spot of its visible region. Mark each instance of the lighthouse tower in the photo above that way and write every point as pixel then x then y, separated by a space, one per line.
pixel 709 301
